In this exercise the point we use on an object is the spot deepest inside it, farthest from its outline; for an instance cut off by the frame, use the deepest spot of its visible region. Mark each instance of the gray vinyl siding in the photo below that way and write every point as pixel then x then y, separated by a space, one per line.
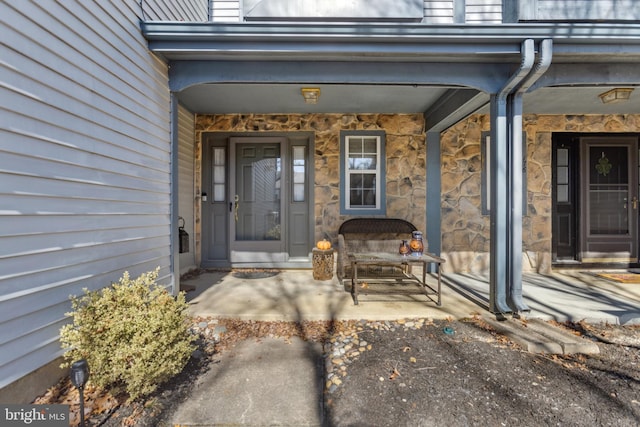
pixel 84 164
pixel 438 11
pixel 170 10
pixel 601 10
pixel 225 10
pixel 186 183
pixel 435 11
pixel 483 11
pixel 571 10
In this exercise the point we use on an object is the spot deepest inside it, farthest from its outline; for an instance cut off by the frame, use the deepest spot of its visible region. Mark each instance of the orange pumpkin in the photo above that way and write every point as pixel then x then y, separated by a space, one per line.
pixel 416 245
pixel 324 245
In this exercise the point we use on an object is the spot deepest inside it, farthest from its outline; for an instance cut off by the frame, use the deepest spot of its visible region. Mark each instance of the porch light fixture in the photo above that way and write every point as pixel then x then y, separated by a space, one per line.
pixel 618 94
pixel 310 95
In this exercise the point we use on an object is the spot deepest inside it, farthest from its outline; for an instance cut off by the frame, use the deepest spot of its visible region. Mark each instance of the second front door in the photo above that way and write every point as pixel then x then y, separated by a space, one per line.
pixel 609 199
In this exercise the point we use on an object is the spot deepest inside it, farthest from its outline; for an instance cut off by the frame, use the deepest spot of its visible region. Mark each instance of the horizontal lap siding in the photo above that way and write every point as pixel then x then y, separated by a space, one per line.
pixel 171 10
pixel 438 11
pixel 225 10
pixel 483 12
pixel 562 10
pixel 84 163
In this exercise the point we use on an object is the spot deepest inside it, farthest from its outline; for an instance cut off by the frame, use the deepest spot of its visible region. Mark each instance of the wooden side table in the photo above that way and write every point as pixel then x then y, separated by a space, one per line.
pixel 364 259
pixel 322 261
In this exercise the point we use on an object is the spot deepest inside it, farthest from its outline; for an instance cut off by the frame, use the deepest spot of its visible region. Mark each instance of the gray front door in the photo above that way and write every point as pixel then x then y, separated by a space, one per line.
pixel 609 199
pixel 256 232
pixel 258 207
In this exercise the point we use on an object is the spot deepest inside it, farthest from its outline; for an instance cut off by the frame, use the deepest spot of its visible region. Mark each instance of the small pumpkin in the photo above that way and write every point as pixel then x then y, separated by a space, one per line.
pixel 324 245
pixel 416 245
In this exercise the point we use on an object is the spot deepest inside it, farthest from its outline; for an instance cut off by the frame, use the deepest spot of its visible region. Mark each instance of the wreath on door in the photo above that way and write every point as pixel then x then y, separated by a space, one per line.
pixel 603 167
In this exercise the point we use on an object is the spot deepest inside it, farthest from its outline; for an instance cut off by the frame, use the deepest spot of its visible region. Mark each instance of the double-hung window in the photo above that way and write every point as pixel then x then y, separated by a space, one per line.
pixel 362 173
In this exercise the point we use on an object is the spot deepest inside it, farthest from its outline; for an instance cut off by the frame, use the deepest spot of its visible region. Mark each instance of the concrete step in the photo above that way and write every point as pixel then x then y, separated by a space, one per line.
pixel 538 336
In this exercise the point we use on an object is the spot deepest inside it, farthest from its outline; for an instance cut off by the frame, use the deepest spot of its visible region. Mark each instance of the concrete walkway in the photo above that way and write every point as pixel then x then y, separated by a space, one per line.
pixel 273 382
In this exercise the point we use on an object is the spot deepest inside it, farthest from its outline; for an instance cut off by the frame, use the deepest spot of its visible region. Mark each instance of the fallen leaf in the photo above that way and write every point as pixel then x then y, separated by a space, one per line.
pixel 395 374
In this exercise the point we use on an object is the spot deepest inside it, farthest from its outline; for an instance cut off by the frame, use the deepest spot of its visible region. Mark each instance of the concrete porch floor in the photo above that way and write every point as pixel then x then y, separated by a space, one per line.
pixel 294 295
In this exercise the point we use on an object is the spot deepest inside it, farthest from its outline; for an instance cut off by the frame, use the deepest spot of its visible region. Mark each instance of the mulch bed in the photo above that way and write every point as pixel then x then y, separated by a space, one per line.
pixel 431 373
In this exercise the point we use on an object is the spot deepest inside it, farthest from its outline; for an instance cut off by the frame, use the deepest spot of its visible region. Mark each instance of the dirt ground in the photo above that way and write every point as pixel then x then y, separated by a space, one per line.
pixel 426 377
pixel 422 373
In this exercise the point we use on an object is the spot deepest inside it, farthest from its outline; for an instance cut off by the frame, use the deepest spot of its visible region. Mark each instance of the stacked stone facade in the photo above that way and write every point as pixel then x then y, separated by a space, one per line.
pixel 464 228
pixel 405 158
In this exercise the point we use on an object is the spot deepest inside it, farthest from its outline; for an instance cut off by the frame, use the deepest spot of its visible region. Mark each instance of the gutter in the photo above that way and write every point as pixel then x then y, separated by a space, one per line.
pixel 499 217
pixel 515 106
pixel 589 33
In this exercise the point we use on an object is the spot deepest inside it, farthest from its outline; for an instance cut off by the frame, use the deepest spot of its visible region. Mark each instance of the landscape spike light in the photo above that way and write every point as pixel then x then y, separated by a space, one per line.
pixel 79 376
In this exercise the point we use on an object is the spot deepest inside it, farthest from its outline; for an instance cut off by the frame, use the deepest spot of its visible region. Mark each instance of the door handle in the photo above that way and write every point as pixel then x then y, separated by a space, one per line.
pixel 634 202
pixel 235 214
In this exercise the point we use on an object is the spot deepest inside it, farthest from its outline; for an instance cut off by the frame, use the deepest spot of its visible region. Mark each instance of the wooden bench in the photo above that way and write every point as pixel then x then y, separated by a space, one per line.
pixel 368 256
pixel 362 235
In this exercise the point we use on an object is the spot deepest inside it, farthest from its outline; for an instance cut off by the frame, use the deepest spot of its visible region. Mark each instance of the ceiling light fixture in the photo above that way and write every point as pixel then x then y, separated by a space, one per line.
pixel 310 95
pixel 618 94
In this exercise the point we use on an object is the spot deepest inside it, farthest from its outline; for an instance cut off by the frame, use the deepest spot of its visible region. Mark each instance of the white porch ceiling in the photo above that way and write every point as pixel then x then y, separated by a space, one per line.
pixel 346 98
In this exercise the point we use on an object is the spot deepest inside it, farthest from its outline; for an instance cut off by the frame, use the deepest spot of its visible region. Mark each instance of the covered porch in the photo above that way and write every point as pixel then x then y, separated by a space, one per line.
pixel 293 295
pixel 443 73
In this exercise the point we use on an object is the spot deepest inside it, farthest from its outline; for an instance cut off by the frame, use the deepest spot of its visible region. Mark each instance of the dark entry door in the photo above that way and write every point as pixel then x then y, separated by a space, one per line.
pixel 566 187
pixel 609 199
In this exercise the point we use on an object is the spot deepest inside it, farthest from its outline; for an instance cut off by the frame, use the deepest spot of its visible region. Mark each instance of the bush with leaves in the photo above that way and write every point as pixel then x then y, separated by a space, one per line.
pixel 134 335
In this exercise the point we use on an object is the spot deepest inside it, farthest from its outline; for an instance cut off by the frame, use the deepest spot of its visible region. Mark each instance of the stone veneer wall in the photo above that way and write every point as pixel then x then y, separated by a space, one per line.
pixel 465 231
pixel 405 157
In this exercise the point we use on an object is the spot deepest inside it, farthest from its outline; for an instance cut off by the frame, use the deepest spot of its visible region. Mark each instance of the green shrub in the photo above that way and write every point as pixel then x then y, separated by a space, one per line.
pixel 134 335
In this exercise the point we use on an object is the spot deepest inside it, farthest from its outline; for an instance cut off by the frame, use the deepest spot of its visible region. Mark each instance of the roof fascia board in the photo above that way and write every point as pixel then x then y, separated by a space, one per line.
pixel 400 33
pixel 483 77
pixel 300 50
pixel 384 42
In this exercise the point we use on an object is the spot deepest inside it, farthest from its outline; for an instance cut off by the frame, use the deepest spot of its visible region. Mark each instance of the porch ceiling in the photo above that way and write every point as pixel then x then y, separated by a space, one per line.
pixel 346 98
pixel 445 72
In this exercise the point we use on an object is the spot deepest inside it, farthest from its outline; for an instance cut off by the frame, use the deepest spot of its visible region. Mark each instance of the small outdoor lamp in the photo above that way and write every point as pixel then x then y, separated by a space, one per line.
pixel 310 95
pixel 79 377
pixel 619 94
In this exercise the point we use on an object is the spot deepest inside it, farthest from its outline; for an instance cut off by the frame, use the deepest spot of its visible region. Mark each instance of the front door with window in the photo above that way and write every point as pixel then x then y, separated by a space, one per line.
pixel 259 214
pixel 595 217
pixel 256 233
pixel 609 201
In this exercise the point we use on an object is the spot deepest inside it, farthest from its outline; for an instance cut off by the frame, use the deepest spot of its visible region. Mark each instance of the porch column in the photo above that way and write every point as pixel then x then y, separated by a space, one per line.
pixel 434 193
pixel 173 213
